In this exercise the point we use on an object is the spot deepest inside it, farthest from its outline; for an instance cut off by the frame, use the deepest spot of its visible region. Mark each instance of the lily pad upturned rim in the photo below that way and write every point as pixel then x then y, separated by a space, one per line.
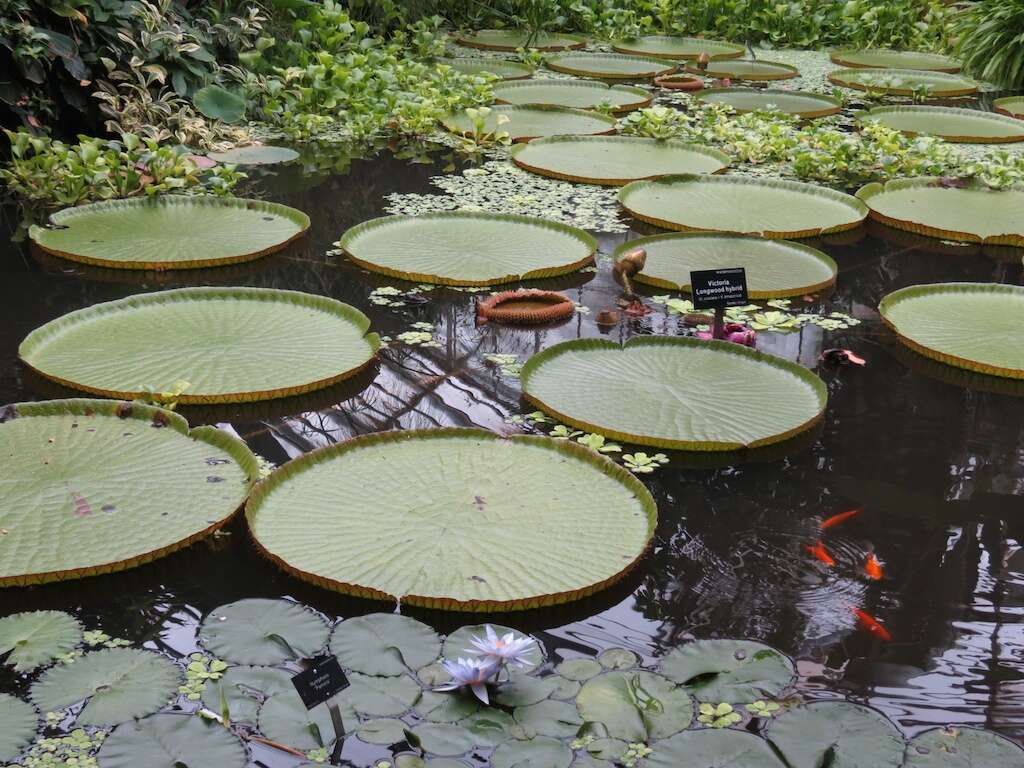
pixel 524 70
pixel 559 307
pixel 623 140
pixel 470 40
pixel 721 71
pixel 1001 106
pixel 835 106
pixel 913 291
pixel 850 78
pixel 345 241
pixel 1003 119
pixel 62 217
pixel 852 202
pixel 643 97
pixel 841 56
pixel 611 122
pixel 657 282
pixel 603 464
pixel 321 303
pixel 654 68
pixel 629 46
pixel 271 155
pixel 872 190
pixel 218 438
pixel 576 345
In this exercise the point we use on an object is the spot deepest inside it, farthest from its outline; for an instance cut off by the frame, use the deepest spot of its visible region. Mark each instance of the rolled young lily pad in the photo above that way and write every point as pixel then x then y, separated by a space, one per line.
pixel 678 48
pixel 714 748
pixel 171 741
pixel 226 344
pixel 635 706
pixel 503 68
pixel 903 82
pixel 18 723
pixel 262 631
pixel 579 94
pixel 973 214
pixel 888 59
pixel 962 747
pixel 527 122
pixel 29 640
pixel 769 208
pixel 407 513
pixel 385 644
pixel 774 268
pixel 116 683
pixel 663 391
pixel 464 248
pixel 1010 105
pixel 615 160
pixel 733 671
pixel 803 104
pixel 170 231
pixel 976 326
pixel 837 733
pixel 970 126
pixel 97 486
pixel 257 154
pixel 512 39
pixel 746 69
pixel 608 66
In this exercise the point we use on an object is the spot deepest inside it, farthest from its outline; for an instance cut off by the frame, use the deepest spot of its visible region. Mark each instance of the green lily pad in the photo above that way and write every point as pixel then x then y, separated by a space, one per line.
pixel 717 748
pixel 447 707
pixel 615 160
pixel 579 94
pixel 256 154
pixel 503 68
pixel 539 752
pixel 671 385
pixel 117 684
pixel 261 631
pixel 747 69
pixel 774 268
pixel 770 208
pixel 381 696
pixel 385 644
pixel 512 39
pixel 444 739
pixel 608 66
pixel 635 706
pixel 558 719
pixel 415 761
pixel 802 104
pixel 433 674
pixel 226 344
pixel 243 688
pixel 976 326
pixel 490 726
pixel 839 734
pixel 1010 105
pixel 973 214
pixel 579 669
pixel 522 690
pixel 960 747
pixel 32 639
pixel 170 232
pixel 734 671
pixel 171 741
pixel 527 122
pixel 18 723
pixel 95 486
pixel 607 749
pixel 424 499
pixel 618 658
pixel 459 644
pixel 461 248
pixel 903 82
pixel 284 718
pixel 678 48
pixel 970 126
pixel 384 731
pixel 888 59
pixel 565 689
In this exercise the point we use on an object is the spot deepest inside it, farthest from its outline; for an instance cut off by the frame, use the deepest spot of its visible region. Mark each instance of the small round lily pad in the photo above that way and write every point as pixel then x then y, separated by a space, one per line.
pixel 29 640
pixel 962 747
pixel 734 671
pixel 385 644
pixel 839 733
pixel 172 741
pixel 621 702
pixel 18 723
pixel 262 631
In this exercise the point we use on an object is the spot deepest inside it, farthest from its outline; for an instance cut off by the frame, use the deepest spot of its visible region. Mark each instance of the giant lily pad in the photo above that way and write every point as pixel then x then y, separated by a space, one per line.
pixel 261 631
pixel 226 345
pixel 615 160
pixel 670 47
pixel 511 39
pixel 770 208
pixel 959 747
pixel 747 69
pixel 839 734
pixel 666 391
pixel 474 65
pixel 95 486
pixel 800 103
pixel 243 688
pixel 256 154
pixel 385 644
pixel 963 125
pixel 973 214
pixel 463 248
pixel 710 748
pixel 454 518
pixel 116 683
pixel 882 58
pixel 635 706
pixel 170 232
pixel 18 722
pixel 171 741
pixel 735 671
pixel 774 268
pixel 977 326
pixel 580 94
pixel 904 82
pixel 29 640
pixel 1010 105
pixel 526 122
pixel 608 66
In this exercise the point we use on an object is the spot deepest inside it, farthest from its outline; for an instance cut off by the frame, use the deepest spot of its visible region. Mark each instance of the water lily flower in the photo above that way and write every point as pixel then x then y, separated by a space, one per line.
pixel 737 333
pixel 472 673
pixel 504 650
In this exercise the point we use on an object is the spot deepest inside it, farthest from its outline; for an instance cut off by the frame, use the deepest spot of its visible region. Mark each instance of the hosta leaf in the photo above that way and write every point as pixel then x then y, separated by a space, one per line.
pixel 838 734
pixel 18 722
pixel 384 644
pixel 32 639
pixel 218 103
pixel 172 741
pixel 734 671
pixel 635 706
pixel 261 631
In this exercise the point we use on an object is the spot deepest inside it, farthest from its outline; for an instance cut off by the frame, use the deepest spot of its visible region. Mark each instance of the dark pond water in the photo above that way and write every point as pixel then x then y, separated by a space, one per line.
pixel 935 462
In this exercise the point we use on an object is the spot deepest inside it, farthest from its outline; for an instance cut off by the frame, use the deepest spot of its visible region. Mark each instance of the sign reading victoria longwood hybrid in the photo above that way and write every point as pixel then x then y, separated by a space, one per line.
pixel 719 288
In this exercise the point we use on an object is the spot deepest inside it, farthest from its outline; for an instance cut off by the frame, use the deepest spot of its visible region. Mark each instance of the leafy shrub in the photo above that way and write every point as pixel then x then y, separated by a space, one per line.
pixel 991 43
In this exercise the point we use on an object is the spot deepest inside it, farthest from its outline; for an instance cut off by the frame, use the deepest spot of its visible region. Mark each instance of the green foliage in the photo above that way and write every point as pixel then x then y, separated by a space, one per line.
pixel 991 41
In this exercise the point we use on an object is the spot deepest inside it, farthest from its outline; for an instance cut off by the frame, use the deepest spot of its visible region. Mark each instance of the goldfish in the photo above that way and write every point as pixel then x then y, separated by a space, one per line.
pixel 828 522
pixel 871 624
pixel 872 567
pixel 819 552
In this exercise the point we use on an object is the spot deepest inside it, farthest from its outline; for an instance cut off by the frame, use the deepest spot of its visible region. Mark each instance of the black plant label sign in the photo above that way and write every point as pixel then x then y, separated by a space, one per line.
pixel 719 288
pixel 320 682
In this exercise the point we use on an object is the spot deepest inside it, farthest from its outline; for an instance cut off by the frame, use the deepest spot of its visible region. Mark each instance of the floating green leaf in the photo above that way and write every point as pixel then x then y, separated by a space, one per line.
pixel 448 707
pixel 256 154
pixel 503 68
pixel 799 103
pixel 579 669
pixel 608 66
pixel 385 644
pixel 713 748
pixel 172 741
pixel 837 733
pixel 385 731
pixel 526 122
pixel 445 739
pixel 18 722
pixel 963 125
pixel 511 39
pixel 459 644
pixel 618 658
pixel 558 719
pixel 578 94
pixel 32 639
pixel 243 688
pixel 261 631
pixel 960 747
pixel 490 726
pixel 381 696
pixel 888 59
pixel 1010 105
pixel 539 752
pixel 904 82
pixel 284 718
pixel 734 671
pixel 670 47
pixel 747 69
pixel 218 103
pixel 635 706
pixel 522 690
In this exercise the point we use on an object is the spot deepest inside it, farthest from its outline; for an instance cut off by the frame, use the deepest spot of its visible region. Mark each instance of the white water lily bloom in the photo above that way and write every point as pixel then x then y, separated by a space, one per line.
pixel 472 673
pixel 507 649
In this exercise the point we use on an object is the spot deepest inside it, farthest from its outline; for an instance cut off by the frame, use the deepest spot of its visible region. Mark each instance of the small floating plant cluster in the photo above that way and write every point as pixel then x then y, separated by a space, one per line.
pixel 414 698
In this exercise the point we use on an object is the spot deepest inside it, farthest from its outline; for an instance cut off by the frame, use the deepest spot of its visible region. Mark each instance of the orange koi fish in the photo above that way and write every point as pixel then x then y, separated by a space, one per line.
pixel 871 625
pixel 872 567
pixel 828 522
pixel 820 553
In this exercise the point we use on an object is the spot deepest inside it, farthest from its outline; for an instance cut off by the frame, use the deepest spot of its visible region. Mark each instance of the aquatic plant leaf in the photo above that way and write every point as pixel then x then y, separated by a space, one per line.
pixel 474 65
pixel 406 514
pixel 747 69
pixel 116 683
pixel 261 631
pixel 565 689
pixel 839 734
pixel 615 160
pixel 608 66
pixel 1010 105
pixel 490 726
pixel 665 391
pixel 18 723
pixel 511 39
pixel 771 208
pixel 888 59
pixel 976 326
pixel 774 268
pixel 579 669
pixel 243 688
pixel 218 103
pixel 961 125
pixel 539 752
pixel 284 718
pixel 558 719
pixel 384 731
pixel 635 706
pixel 578 94
pixel 618 658
pixel 385 644
pixel 105 479
pixel 226 344
pixel 526 122
pixel 172 741
pixel 716 748
pixel 733 671
pixel 34 638
pixel 170 231
pixel 445 739
pixel 973 214
pixel 415 761
pixel 962 747
pixel 800 103
pixel 447 707
pixel 257 154
pixel 459 644
pixel 381 696
pixel 903 82
pixel 522 690
pixel 671 47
